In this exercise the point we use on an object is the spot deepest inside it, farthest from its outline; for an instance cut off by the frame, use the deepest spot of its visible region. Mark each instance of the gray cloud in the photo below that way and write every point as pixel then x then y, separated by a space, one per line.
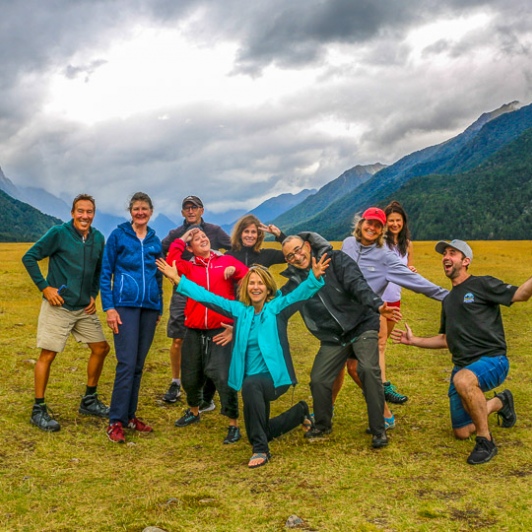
pixel 388 102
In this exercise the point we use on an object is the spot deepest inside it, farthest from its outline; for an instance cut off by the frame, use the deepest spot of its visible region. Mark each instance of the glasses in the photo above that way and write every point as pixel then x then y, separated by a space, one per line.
pixel 298 250
pixel 191 208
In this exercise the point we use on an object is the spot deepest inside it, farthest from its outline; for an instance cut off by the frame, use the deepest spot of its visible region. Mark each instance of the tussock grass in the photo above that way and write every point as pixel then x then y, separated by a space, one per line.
pixel 185 479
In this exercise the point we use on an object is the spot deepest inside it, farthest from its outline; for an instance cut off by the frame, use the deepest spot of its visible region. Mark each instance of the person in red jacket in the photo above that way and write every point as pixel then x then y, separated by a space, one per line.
pixel 202 357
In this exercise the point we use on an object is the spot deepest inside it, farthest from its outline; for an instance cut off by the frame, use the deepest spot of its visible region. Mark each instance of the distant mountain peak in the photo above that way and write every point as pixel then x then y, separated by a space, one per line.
pixel 484 118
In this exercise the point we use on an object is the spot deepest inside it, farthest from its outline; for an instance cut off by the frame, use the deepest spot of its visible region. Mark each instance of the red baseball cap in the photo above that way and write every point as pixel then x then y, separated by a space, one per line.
pixel 373 213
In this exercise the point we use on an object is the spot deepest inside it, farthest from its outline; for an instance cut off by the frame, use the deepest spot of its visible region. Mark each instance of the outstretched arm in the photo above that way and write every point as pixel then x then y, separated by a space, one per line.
pixel 524 292
pixel 170 272
pixel 407 338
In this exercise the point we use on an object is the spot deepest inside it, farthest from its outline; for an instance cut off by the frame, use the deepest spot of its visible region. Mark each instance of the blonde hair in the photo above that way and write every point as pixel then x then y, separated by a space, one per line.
pixel 357 232
pixel 265 276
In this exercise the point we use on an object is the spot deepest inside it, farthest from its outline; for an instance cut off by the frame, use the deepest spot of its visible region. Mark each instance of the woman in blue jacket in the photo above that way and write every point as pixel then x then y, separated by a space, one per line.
pixel 131 291
pixel 261 365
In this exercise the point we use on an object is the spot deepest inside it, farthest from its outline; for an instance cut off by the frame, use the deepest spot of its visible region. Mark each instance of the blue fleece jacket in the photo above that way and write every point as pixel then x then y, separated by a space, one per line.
pixel 130 277
pixel 273 341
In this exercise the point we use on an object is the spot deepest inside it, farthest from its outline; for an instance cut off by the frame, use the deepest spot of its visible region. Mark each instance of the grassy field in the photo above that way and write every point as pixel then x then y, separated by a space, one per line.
pixel 185 479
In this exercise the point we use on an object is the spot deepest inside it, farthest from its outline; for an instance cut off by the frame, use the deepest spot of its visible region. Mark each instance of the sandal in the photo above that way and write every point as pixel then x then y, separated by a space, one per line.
pixel 308 419
pixel 265 457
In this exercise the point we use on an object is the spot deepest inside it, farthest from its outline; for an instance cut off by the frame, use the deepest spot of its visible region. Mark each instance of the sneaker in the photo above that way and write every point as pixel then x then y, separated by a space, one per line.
pixel 173 393
pixel 187 419
pixel 233 435
pixel 389 423
pixel 483 452
pixel 315 433
pixel 138 425
pixel 115 432
pixel 379 440
pixel 207 407
pixel 42 419
pixel 91 406
pixel 392 395
pixel 506 416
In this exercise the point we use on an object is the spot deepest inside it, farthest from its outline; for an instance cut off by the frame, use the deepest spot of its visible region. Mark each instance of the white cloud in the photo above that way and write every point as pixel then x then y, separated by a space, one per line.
pixel 238 101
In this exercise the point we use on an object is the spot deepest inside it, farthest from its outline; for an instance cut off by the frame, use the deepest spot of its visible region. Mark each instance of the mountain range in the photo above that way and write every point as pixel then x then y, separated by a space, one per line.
pixel 471 172
pixel 483 139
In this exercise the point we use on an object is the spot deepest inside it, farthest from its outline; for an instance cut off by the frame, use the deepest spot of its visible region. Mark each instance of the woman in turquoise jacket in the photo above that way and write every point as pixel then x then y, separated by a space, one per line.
pixel 261 366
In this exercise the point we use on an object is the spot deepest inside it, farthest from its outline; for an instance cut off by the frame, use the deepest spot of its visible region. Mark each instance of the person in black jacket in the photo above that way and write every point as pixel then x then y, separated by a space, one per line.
pixel 344 316
pixel 246 241
pixel 192 210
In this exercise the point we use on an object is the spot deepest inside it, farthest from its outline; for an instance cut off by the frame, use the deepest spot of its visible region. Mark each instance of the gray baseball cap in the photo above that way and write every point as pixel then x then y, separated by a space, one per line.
pixel 460 245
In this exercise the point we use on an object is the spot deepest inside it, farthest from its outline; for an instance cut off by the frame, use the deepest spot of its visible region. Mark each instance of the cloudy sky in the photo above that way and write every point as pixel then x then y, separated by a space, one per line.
pixel 238 100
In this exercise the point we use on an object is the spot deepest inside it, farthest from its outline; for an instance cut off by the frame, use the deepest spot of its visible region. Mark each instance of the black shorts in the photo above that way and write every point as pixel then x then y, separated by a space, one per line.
pixel 176 322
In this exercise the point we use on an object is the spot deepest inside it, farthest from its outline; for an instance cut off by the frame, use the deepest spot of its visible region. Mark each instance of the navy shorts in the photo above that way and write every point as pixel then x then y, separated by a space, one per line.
pixel 490 372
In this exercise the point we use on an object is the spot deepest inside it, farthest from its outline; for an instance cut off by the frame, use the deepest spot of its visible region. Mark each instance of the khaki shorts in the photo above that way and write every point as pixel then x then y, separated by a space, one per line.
pixel 56 323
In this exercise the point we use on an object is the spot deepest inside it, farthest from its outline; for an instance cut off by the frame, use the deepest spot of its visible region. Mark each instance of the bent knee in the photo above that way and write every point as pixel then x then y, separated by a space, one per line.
pixel 463 433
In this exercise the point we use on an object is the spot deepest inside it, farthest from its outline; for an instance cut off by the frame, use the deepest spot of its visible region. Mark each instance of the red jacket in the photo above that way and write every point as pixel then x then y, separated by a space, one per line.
pixel 208 273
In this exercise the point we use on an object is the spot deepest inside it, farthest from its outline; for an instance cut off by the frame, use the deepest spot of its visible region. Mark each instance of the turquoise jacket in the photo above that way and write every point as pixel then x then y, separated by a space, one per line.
pixel 272 334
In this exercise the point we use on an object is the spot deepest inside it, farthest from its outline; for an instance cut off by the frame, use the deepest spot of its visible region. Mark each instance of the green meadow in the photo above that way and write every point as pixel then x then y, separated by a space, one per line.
pixel 186 479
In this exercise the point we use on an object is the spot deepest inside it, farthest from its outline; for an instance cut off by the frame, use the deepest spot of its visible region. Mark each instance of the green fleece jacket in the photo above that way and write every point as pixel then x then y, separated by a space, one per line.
pixel 73 262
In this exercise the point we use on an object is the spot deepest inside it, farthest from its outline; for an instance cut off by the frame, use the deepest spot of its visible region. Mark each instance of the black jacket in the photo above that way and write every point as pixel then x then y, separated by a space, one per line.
pixel 265 257
pixel 346 306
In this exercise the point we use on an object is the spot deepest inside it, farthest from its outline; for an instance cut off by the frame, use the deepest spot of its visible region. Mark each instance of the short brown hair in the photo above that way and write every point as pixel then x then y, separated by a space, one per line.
pixel 83 197
pixel 267 279
pixel 140 196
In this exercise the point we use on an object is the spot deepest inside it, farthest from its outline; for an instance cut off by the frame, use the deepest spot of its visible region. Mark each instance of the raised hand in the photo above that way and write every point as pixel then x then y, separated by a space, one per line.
pixel 274 230
pixel 170 272
pixel 187 236
pixel 319 267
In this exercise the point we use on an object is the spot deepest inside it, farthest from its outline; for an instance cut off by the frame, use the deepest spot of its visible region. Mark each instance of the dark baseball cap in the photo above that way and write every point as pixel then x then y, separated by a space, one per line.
pixel 192 199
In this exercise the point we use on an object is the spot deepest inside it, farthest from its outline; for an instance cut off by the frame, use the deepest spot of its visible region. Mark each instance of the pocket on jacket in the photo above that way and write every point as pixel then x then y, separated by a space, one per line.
pixel 129 291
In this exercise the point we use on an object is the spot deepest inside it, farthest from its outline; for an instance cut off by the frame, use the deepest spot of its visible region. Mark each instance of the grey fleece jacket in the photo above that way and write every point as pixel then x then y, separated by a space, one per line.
pixel 381 266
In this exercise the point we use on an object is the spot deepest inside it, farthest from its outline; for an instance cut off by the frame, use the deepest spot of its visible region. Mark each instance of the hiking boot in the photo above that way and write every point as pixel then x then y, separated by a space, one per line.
pixel 391 395
pixel 379 440
pixel 91 406
pixel 483 452
pixel 315 433
pixel 506 416
pixel 233 435
pixel 173 393
pixel 40 418
pixel 207 406
pixel 115 432
pixel 138 425
pixel 188 419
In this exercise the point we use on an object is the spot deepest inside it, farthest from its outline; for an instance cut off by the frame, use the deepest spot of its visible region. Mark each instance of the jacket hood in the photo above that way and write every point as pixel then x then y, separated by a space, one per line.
pixel 318 244
pixel 128 228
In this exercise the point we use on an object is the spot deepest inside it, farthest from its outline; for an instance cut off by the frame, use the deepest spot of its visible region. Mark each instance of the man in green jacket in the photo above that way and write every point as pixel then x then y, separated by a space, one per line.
pixel 74 250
